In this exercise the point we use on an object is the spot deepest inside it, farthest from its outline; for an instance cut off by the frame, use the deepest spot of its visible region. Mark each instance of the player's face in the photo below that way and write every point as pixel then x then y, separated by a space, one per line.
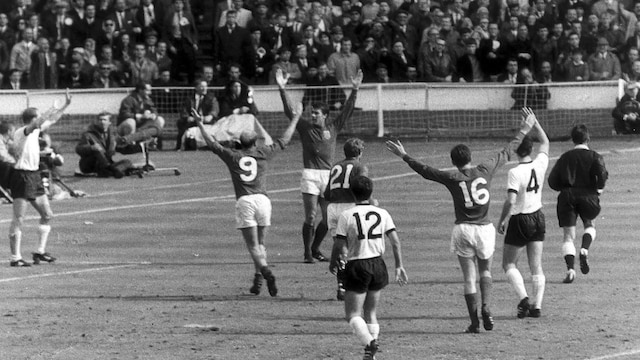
pixel 318 117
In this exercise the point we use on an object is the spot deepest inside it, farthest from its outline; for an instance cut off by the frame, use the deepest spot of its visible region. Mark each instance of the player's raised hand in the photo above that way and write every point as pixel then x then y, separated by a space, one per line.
pixel 401 276
pixel 196 116
pixel 528 120
pixel 298 110
pixel 356 81
pixel 396 148
pixel 281 78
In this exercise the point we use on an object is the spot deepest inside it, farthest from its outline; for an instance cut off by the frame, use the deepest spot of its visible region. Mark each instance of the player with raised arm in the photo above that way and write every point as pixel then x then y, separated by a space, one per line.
pixel 248 167
pixel 524 221
pixel 318 135
pixel 338 194
pixel 473 236
pixel 360 233
pixel 26 182
pixel 580 176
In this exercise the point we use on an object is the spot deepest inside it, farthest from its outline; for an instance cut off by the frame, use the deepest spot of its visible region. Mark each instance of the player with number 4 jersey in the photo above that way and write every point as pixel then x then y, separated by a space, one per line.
pixel 248 166
pixel 473 236
pixel 522 211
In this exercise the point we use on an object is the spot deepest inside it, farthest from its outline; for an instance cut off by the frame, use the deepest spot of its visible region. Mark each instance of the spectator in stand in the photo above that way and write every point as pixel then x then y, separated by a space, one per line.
pixel 33 23
pixel 164 80
pixel 533 96
pixel 20 57
pixel 90 52
pixel 125 22
pixel 459 49
pixel 405 32
pixel 77 54
pixel 278 34
pixel 324 88
pixel 299 20
pixel 15 80
pixel 151 44
pixel 232 43
pixel 565 57
pixel 610 30
pixel 369 58
pixel 142 68
pixel 543 48
pixel 456 13
pixel 117 72
pixel 243 16
pixel 209 75
pixel 55 23
pixel 589 36
pixel 546 73
pixel 604 65
pixel 75 78
pixel 124 48
pixel 576 69
pixel 492 53
pixel 103 78
pixel 4 57
pixel 355 29
pixel 634 74
pixel 149 16
pixel 44 68
pixel 235 74
pixel 521 48
pixel 510 76
pixel 20 27
pixel 162 58
pixel 200 101
pixel 382 75
pixel 324 47
pixel 261 17
pixel 336 37
pixel 237 99
pixel 89 27
pixel 6 31
pixel 305 64
pixel 632 41
pixel 181 35
pixel 421 16
pixel 344 65
pixel 288 68
pixel 439 66
pixel 626 66
pixel 398 62
pixel 468 66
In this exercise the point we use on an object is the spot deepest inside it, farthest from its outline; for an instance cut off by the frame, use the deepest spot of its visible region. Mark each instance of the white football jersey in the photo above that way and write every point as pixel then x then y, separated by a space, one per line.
pixel 27 149
pixel 364 227
pixel 527 180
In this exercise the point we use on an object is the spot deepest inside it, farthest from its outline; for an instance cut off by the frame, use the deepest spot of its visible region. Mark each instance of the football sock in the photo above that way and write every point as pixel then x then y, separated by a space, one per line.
pixel 321 232
pixel 15 240
pixel 569 253
pixel 538 290
pixel 374 330
pixel 472 306
pixel 307 236
pixel 486 283
pixel 43 231
pixel 515 279
pixel 359 327
pixel 588 236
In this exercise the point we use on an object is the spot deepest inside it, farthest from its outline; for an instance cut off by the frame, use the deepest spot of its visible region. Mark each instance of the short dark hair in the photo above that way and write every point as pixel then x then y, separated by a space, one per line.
pixel 353 147
pixel 29 114
pixel 460 155
pixel 104 113
pixel 323 107
pixel 526 147
pixel 141 85
pixel 361 188
pixel 580 134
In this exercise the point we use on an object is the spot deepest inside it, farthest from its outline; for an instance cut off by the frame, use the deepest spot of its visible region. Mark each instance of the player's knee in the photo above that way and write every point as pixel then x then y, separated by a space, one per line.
pixel 46 218
pixel 127 127
pixel 160 122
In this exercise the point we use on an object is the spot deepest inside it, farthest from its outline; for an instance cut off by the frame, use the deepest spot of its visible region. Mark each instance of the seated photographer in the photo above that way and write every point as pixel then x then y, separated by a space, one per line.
pixel 204 103
pixel 96 148
pixel 626 115
pixel 237 99
pixel 138 120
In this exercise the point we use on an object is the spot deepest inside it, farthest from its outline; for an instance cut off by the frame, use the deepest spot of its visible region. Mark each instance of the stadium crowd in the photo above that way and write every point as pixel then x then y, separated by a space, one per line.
pixel 109 43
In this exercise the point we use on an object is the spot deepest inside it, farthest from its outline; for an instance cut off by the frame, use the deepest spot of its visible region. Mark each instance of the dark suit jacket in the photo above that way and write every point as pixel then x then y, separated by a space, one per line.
pixel 232 47
pixel 208 106
pixel 39 71
pixel 67 81
pixel 128 24
pixel 8 36
pixel 157 19
pixel 189 31
pixel 271 37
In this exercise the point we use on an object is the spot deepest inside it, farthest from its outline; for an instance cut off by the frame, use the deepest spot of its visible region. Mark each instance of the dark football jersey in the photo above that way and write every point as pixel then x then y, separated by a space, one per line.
pixel 248 167
pixel 470 188
pixel 339 189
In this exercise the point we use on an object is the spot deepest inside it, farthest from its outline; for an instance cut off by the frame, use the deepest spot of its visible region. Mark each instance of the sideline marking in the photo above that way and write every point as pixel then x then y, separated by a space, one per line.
pixel 612 356
pixel 70 272
pixel 227 197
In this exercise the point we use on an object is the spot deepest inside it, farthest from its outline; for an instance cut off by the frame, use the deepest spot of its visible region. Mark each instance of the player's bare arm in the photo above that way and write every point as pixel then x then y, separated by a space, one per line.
pixel 356 81
pixel 401 274
pixel 506 211
pixel 338 251
pixel 53 114
pixel 281 80
pixel 288 133
pixel 211 142
pixel 396 148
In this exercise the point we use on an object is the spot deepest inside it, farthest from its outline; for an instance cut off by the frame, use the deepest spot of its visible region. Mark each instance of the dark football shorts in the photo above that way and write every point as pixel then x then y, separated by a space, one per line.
pixel 366 275
pixel 524 228
pixel 573 203
pixel 26 185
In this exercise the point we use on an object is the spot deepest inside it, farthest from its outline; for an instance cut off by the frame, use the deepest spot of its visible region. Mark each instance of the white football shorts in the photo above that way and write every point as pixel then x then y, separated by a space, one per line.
pixel 468 240
pixel 334 210
pixel 253 210
pixel 314 181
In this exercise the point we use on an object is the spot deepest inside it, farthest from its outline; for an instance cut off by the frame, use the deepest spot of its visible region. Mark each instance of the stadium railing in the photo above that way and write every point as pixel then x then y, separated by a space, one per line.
pixel 423 110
